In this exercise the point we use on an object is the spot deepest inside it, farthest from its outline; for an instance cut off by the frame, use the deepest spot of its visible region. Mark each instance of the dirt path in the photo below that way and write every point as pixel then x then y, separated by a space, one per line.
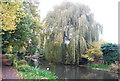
pixel 8 72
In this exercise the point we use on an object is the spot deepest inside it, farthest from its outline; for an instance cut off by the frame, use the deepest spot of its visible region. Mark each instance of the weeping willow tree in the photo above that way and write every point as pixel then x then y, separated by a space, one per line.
pixel 70 30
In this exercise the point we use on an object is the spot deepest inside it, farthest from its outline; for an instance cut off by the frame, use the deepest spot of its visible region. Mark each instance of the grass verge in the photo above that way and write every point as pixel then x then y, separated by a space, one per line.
pixel 29 72
pixel 98 65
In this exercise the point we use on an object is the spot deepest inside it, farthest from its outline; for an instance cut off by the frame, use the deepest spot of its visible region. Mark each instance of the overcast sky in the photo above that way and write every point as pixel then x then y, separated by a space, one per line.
pixel 105 12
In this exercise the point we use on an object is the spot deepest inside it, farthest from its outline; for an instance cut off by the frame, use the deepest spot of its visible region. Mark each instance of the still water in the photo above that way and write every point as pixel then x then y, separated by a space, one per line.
pixel 73 72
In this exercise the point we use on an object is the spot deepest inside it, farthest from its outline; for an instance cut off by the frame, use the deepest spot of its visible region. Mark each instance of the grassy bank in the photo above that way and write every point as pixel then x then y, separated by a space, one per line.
pixel 26 71
pixel 98 65
pixel 29 72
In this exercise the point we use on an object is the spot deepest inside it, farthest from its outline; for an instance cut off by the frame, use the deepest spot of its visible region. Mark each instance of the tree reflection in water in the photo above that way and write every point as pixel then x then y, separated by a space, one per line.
pixel 74 72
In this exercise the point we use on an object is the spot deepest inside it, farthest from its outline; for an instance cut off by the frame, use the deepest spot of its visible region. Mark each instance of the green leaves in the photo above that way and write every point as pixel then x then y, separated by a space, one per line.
pixel 109 47
pixel 24 37
pixel 70 27
pixel 110 52
pixel 29 72
pixel 98 65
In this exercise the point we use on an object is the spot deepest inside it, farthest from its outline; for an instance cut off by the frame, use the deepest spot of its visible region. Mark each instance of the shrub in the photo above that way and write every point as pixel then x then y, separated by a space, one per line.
pixel 10 57
pixel 24 68
pixel 87 57
pixel 22 62
pixel 114 67
pixel 13 59
pixel 93 52
pixel 110 52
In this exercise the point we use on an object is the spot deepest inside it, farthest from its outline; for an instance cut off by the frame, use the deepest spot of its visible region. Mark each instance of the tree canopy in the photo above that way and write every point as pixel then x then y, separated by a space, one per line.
pixel 11 13
pixel 68 31
pixel 23 36
pixel 71 29
pixel 110 52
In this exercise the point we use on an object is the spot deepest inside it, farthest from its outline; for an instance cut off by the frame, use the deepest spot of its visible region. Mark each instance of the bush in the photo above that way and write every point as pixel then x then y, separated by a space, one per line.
pixel 13 59
pixel 10 57
pixel 93 52
pixel 22 62
pixel 114 67
pixel 24 68
pixel 110 53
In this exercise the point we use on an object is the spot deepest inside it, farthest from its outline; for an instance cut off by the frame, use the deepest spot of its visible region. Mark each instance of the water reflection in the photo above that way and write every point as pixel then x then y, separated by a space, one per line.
pixel 74 72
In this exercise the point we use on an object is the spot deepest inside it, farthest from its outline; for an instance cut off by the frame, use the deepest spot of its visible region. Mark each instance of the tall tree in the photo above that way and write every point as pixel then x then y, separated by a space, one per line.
pixel 10 13
pixel 25 36
pixel 71 29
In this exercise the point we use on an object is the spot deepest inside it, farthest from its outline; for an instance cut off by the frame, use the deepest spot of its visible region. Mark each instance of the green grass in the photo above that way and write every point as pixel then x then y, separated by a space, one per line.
pixel 29 72
pixel 32 73
pixel 98 65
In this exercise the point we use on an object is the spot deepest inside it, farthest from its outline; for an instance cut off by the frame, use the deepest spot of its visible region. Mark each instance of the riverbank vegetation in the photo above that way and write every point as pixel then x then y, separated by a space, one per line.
pixel 21 38
pixel 26 71
pixel 69 35
pixel 110 57
pixel 29 72
pixel 98 65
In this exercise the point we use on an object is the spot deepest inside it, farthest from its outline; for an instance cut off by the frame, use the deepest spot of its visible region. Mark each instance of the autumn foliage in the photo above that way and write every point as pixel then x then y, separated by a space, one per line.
pixel 94 51
pixel 10 15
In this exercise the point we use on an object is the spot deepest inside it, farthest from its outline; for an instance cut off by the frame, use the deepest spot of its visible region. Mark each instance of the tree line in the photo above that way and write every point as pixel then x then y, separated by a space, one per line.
pixel 64 36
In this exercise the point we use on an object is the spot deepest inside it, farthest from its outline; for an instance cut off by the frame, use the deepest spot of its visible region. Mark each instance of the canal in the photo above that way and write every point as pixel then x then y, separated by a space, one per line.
pixel 72 72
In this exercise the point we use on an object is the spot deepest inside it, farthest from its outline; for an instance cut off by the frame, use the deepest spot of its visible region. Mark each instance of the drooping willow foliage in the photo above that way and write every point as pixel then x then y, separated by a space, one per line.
pixel 70 30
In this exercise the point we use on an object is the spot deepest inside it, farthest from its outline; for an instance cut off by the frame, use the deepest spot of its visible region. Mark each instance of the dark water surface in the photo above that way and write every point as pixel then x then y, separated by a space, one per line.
pixel 73 72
